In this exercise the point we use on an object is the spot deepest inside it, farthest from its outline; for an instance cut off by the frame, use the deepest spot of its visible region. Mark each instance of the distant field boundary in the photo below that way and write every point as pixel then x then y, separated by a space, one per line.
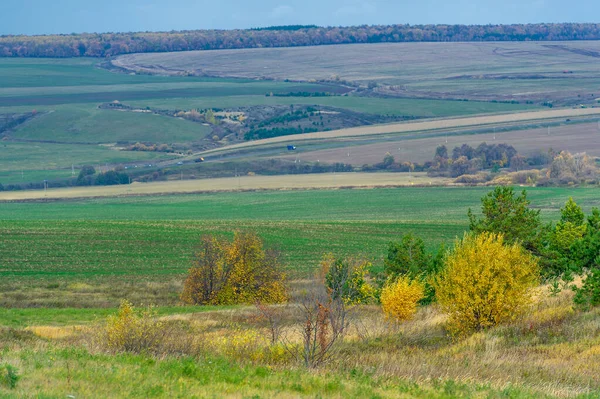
pixel 230 184
pixel 421 126
pixel 114 43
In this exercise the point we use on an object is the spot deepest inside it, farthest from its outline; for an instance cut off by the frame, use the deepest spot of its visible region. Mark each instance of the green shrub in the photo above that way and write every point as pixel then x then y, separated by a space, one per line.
pixel 408 258
pixel 588 296
pixel 9 376
pixel 347 279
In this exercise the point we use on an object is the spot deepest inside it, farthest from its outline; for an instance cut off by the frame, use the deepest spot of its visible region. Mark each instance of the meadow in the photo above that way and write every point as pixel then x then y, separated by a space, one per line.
pixel 550 352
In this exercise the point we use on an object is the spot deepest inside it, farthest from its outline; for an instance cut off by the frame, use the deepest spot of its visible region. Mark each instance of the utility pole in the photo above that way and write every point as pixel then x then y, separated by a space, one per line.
pixel 72 170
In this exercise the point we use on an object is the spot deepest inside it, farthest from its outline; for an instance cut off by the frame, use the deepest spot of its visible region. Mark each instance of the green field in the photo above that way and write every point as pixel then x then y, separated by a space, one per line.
pixel 372 105
pixel 155 236
pixel 17 156
pixel 62 72
pixel 88 124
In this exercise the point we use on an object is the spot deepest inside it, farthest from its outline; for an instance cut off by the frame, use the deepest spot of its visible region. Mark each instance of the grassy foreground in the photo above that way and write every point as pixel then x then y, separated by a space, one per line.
pixel 552 352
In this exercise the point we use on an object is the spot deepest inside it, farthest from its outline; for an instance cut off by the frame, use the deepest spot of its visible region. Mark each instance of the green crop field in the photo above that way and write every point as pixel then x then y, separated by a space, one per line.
pixel 35 162
pixel 64 72
pixel 372 105
pixel 88 124
pixel 153 238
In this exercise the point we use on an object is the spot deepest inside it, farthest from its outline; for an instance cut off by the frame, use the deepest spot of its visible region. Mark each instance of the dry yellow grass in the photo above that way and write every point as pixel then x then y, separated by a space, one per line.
pixel 283 182
pixel 52 332
pixel 551 350
pixel 421 126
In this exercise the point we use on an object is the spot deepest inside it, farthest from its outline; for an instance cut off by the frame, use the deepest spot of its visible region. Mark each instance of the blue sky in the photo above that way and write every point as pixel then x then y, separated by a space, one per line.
pixel 68 16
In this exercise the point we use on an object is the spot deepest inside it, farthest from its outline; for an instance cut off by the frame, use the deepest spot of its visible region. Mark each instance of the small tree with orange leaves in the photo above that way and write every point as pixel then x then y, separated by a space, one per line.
pixel 241 271
pixel 485 282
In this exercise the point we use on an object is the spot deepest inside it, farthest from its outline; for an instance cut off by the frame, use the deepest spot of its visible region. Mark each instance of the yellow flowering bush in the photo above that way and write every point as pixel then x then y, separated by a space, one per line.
pixel 399 298
pixel 485 282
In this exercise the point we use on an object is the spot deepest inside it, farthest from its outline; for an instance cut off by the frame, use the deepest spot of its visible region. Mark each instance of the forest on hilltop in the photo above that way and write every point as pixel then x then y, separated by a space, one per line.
pixel 112 44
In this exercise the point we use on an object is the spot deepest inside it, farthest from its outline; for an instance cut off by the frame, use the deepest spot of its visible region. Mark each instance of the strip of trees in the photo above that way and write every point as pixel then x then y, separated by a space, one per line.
pixel 482 164
pixel 112 44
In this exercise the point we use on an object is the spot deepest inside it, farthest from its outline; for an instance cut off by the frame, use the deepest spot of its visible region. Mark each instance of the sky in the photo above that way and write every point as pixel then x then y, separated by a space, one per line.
pixel 75 16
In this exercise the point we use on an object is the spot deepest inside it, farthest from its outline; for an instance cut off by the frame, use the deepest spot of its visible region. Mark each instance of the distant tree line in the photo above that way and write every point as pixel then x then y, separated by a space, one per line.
pixel 112 44
pixel 302 94
pixel 261 133
pixel 286 27
pixel 88 177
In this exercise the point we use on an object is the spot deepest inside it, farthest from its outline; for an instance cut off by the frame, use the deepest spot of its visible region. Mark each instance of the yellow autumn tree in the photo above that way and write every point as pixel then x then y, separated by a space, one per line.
pixel 242 271
pixel 399 298
pixel 485 282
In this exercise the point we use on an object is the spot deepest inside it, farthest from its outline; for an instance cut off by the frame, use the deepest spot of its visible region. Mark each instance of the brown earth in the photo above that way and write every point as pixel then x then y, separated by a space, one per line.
pixel 574 138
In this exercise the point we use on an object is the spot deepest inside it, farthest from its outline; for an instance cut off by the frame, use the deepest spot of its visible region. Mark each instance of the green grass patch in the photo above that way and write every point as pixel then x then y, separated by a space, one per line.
pixel 21 318
pixel 41 160
pixel 56 372
pixel 61 72
pixel 379 106
pixel 89 124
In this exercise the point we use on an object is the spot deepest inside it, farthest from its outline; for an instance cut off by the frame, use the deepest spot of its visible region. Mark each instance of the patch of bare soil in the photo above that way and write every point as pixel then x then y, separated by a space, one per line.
pixel 584 137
